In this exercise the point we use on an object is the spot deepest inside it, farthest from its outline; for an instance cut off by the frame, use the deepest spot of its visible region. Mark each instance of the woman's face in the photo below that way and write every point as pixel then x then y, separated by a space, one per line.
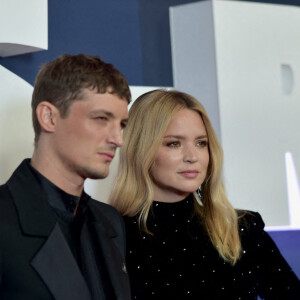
pixel 182 159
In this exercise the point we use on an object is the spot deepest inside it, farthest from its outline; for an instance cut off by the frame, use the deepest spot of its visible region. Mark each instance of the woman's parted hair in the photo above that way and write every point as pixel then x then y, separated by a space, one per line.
pixel 132 194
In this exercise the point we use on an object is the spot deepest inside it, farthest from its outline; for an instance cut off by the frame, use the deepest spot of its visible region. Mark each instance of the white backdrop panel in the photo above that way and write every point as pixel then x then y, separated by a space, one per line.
pixel 23 26
pixel 256 50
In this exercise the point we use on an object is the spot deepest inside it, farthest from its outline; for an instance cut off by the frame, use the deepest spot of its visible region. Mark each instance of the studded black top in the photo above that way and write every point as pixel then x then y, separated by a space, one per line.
pixel 179 262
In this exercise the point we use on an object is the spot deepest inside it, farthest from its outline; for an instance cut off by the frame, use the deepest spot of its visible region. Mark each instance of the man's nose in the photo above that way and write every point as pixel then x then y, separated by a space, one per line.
pixel 116 136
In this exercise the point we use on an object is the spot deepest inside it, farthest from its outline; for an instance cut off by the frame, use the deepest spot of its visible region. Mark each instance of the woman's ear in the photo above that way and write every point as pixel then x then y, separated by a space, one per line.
pixel 46 114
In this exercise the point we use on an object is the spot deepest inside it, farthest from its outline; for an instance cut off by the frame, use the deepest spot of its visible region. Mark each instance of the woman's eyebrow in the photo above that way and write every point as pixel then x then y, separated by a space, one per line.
pixel 182 137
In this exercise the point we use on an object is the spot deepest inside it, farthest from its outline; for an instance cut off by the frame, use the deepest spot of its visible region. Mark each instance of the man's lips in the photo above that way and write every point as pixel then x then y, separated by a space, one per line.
pixel 189 173
pixel 108 156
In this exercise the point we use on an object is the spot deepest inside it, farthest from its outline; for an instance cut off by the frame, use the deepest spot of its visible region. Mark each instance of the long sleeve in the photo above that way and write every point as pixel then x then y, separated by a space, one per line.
pixel 276 280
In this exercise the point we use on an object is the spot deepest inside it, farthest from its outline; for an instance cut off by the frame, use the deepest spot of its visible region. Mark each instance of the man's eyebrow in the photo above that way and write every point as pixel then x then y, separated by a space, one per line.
pixel 108 114
pixel 102 111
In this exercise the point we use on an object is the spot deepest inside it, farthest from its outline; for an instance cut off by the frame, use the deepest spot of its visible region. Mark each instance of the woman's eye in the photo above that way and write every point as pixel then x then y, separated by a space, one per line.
pixel 173 144
pixel 202 143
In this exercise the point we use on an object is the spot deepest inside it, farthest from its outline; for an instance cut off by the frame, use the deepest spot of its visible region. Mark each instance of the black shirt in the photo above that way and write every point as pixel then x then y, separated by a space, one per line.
pixel 64 206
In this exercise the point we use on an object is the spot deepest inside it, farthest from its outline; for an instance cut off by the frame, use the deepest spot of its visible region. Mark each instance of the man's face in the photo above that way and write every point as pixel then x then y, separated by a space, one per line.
pixel 86 140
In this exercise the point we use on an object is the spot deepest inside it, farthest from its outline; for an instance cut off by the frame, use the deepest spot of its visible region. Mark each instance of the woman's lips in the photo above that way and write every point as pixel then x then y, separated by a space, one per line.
pixel 189 173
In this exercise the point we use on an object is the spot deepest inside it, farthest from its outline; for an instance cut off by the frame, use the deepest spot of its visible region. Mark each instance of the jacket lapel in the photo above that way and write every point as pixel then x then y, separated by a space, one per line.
pixel 35 214
pixel 57 267
pixel 54 261
pixel 115 264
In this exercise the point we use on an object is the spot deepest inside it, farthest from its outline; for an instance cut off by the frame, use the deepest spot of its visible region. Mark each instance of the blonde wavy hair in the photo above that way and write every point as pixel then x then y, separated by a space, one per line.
pixel 132 193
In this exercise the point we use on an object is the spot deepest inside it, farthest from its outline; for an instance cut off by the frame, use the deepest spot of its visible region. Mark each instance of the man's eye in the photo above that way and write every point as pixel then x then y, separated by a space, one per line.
pixel 103 118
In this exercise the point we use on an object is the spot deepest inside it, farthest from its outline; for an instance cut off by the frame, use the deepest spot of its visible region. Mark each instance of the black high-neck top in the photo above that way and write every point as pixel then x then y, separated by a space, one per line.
pixel 179 262
pixel 64 206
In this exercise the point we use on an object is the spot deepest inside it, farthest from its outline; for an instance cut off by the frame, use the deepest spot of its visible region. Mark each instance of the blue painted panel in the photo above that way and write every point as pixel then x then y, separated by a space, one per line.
pixel 109 29
pixel 288 243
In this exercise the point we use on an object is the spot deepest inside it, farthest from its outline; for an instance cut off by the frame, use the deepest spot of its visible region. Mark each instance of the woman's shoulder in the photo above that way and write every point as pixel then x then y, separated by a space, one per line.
pixel 250 221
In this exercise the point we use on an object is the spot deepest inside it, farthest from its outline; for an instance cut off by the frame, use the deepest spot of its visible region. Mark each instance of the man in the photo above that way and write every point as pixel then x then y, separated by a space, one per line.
pixel 55 241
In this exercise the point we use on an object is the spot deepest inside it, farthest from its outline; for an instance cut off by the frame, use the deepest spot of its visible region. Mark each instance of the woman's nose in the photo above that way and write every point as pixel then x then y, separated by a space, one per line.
pixel 190 154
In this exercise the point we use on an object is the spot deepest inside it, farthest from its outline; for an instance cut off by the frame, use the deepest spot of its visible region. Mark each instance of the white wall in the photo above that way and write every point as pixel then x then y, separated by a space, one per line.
pixel 249 55
pixel 23 26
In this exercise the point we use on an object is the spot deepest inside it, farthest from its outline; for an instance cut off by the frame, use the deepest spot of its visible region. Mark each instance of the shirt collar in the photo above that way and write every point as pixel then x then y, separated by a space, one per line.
pixel 58 198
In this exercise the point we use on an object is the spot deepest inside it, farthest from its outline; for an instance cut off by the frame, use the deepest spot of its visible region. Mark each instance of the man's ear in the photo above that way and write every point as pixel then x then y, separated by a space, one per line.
pixel 47 115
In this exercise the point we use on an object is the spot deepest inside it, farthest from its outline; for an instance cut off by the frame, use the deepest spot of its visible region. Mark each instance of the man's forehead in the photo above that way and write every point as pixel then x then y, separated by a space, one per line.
pixel 108 91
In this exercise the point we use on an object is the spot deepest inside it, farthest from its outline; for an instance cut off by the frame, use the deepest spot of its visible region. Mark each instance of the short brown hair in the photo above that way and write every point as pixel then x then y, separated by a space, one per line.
pixel 62 80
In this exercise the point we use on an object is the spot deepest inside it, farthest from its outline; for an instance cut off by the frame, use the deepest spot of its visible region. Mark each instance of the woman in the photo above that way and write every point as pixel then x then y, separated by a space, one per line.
pixel 184 239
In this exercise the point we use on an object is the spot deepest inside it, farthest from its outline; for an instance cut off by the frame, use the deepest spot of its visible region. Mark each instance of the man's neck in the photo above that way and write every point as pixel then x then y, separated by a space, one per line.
pixel 56 173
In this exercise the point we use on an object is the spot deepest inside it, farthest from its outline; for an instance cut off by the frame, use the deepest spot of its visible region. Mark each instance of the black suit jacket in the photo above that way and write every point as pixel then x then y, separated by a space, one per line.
pixel 35 259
